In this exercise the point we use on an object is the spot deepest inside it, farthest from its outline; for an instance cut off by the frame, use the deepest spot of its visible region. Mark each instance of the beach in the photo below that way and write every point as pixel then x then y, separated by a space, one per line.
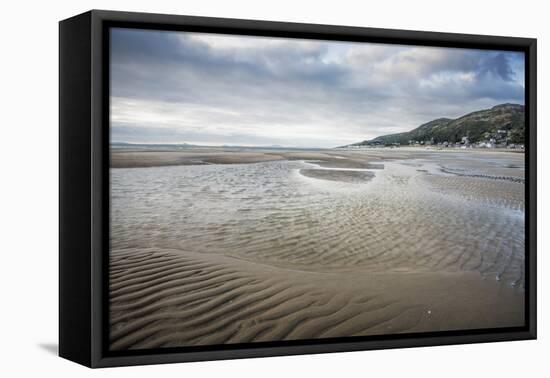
pixel 237 245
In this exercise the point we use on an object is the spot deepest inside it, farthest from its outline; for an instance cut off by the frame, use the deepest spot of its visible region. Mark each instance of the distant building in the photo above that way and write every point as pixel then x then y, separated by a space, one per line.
pixel 486 144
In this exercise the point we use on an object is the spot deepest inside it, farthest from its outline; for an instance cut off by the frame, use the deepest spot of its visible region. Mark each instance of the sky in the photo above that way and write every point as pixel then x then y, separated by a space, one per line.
pixel 213 89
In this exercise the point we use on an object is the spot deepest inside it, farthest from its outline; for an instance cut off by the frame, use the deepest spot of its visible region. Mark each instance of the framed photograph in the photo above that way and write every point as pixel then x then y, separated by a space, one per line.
pixel 234 188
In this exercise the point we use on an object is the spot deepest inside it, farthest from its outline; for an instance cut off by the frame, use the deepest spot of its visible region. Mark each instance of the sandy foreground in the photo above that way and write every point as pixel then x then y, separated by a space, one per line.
pixel 169 298
pixel 302 277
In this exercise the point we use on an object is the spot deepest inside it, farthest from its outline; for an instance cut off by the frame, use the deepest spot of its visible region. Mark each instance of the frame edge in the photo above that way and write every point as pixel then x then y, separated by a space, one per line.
pixel 74 193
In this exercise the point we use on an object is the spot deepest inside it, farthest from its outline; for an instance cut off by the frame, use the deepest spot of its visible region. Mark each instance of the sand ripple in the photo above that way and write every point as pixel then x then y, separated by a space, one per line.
pixel 338 175
pixel 205 299
pixel 256 252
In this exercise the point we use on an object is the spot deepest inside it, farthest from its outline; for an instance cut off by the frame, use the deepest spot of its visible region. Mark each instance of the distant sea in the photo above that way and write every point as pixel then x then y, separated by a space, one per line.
pixel 170 146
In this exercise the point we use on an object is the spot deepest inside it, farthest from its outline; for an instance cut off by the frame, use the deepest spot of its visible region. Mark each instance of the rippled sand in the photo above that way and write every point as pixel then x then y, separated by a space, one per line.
pixel 337 175
pixel 302 244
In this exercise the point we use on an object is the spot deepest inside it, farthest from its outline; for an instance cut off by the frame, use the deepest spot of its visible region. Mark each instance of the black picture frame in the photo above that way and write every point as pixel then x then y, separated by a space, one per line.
pixel 84 186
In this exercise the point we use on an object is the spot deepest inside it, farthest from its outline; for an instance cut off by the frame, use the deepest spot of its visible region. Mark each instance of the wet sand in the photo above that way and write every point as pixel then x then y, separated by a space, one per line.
pixel 142 159
pixel 338 175
pixel 213 247
pixel 200 156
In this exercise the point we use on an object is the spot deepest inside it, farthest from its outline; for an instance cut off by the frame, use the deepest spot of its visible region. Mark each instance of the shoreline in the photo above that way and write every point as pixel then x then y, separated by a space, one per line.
pixel 330 158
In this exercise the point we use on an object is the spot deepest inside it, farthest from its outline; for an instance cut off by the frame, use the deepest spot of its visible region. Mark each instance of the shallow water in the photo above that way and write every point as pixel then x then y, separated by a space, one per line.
pixel 412 216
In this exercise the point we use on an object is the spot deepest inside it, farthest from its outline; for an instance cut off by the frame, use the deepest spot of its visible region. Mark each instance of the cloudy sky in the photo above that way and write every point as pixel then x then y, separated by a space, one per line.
pixel 208 89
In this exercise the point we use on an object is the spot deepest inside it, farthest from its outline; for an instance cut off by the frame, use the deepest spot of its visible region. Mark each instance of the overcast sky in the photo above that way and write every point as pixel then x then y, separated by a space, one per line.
pixel 176 87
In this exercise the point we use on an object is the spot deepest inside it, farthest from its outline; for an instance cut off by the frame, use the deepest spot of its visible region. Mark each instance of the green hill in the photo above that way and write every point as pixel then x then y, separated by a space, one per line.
pixel 477 126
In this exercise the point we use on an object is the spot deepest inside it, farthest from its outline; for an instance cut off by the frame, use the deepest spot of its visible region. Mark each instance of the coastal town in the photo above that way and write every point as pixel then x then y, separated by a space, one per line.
pixel 501 139
pixel 499 127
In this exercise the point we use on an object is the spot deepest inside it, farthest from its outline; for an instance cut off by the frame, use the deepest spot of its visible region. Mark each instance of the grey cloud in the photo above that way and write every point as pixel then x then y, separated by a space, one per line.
pixel 349 90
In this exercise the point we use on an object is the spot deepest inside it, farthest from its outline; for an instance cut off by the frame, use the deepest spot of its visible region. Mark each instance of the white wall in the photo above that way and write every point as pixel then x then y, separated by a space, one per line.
pixel 28 200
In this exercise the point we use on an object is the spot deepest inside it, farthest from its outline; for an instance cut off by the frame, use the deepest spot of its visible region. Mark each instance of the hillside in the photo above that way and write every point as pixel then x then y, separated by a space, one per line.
pixel 477 126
